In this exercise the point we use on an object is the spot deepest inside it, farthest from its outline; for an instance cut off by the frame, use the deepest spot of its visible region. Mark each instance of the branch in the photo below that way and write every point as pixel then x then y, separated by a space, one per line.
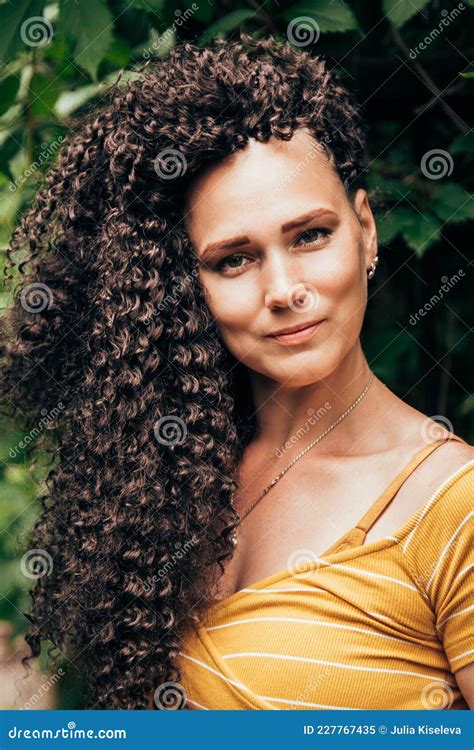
pixel 429 82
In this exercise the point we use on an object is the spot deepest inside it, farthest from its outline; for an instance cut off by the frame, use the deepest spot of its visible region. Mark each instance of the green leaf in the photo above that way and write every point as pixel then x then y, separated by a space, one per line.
pixel 467 406
pixel 418 230
pixel 227 23
pixel 12 34
pixel 44 93
pixel 400 11
pixel 452 203
pixel 10 141
pixel 119 52
pixel 205 13
pixel 463 143
pixel 329 17
pixel 388 227
pixel 388 187
pixel 88 27
pixel 69 101
pixel 154 6
pixel 8 91
pixel 470 74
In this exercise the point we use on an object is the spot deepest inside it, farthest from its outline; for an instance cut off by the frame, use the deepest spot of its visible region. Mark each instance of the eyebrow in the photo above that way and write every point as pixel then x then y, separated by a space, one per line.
pixel 213 247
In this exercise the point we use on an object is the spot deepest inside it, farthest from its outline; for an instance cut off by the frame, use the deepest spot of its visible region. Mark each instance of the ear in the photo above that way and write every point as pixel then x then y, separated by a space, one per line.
pixel 367 224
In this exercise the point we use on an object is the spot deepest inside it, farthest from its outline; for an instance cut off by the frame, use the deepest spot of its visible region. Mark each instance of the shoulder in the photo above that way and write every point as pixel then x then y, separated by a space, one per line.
pixel 446 459
pixel 448 473
pixel 443 528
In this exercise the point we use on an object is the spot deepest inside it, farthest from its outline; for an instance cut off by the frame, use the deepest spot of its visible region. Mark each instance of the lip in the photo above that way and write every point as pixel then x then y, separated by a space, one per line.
pixel 297 334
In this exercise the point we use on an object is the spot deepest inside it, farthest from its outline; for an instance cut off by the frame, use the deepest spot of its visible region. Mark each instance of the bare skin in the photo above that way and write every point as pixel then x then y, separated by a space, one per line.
pixel 251 290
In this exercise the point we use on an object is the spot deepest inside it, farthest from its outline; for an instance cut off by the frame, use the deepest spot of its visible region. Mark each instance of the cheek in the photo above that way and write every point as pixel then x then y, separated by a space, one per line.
pixel 234 308
pixel 342 278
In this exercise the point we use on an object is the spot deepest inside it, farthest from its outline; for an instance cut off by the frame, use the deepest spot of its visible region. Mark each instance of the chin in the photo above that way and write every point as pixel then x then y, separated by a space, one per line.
pixel 297 376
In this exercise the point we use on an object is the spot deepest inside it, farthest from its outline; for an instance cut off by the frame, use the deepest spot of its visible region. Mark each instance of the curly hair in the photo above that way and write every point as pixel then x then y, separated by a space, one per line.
pixel 109 321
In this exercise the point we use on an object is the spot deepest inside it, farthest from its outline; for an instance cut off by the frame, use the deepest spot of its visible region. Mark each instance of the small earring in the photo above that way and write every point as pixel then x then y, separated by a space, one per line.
pixel 373 267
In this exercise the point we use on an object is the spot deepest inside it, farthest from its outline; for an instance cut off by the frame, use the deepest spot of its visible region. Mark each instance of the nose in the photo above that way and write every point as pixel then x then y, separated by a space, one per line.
pixel 283 280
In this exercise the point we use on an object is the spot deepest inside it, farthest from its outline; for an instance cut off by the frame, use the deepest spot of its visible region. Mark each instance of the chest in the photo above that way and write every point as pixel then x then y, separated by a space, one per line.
pixel 308 510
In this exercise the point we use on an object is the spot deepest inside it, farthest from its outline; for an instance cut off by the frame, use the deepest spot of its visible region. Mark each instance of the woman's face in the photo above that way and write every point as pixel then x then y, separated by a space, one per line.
pixel 298 255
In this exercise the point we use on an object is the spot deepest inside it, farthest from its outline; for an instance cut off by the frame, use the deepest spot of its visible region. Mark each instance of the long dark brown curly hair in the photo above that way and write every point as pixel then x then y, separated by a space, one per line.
pixel 109 331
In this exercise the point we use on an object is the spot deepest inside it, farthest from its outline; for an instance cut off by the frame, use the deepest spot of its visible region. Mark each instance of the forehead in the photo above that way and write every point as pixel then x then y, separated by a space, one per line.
pixel 272 181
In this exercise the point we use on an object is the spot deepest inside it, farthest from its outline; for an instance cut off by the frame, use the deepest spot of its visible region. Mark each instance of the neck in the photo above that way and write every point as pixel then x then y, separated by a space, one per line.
pixel 288 419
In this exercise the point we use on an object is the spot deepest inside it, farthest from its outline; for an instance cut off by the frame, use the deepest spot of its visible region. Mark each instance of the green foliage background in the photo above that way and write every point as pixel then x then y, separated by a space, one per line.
pixel 415 99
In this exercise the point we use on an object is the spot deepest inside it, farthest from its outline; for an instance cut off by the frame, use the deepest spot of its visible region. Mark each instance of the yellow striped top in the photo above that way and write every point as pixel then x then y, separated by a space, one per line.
pixel 378 626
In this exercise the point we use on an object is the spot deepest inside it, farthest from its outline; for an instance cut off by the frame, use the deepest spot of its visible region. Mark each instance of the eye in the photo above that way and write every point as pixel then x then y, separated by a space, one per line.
pixel 229 264
pixel 323 232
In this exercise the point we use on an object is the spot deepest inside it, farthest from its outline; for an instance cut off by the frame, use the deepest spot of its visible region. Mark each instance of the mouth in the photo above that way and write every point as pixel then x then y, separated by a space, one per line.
pixel 297 335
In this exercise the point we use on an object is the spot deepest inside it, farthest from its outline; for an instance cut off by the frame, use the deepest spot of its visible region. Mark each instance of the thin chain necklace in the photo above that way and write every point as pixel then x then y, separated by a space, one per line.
pixel 300 455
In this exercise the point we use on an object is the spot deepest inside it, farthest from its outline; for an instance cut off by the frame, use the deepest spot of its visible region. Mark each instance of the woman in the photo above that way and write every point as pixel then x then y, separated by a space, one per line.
pixel 213 204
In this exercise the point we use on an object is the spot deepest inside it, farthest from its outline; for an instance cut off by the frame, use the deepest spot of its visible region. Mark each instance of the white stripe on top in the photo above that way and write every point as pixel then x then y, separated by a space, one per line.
pixel 436 567
pixel 264 654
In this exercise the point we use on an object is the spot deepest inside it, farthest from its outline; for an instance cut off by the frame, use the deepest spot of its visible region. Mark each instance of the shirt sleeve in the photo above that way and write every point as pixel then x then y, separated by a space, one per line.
pixel 440 554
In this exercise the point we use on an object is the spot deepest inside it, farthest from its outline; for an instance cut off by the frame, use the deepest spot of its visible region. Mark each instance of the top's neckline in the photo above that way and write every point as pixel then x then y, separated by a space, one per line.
pixel 350 551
